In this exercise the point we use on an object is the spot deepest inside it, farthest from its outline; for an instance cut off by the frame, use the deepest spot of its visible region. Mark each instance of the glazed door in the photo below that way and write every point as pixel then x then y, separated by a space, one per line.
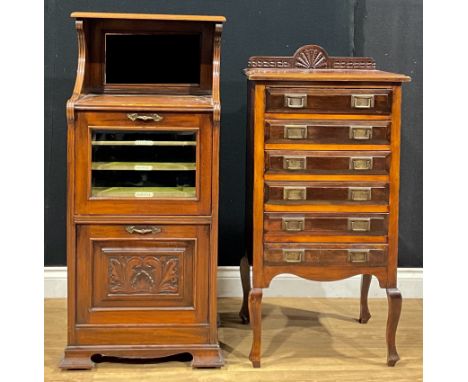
pixel 143 164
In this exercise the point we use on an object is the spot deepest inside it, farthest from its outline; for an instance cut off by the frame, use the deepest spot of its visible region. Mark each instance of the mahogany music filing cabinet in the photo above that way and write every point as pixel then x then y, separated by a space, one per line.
pixel 322 177
pixel 143 141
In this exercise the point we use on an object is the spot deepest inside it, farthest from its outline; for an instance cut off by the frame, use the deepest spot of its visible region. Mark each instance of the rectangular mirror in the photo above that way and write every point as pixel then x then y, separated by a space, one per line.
pixel 152 58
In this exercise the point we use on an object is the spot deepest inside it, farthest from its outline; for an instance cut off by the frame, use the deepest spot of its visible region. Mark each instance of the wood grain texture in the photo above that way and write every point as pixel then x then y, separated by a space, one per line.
pixel 326 100
pixel 324 75
pixel 255 312
pixel 394 311
pixel 327 143
pixel 364 314
pixel 394 197
pixel 144 102
pixel 304 339
pixel 147 16
pixel 142 283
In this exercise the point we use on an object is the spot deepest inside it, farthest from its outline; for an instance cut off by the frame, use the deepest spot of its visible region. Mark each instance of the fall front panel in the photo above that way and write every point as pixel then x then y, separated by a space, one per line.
pixel 152 274
pixel 151 163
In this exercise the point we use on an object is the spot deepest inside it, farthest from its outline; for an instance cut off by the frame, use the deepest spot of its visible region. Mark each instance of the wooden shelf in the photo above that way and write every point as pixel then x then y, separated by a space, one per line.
pixel 147 16
pixel 144 143
pixel 144 192
pixel 144 166
pixel 140 102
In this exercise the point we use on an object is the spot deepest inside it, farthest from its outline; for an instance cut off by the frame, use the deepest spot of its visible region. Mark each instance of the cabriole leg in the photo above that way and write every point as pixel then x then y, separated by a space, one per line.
pixel 394 310
pixel 365 315
pixel 255 309
pixel 245 279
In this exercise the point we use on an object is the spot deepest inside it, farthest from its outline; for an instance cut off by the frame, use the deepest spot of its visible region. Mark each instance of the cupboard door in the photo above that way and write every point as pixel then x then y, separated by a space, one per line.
pixel 158 164
pixel 154 274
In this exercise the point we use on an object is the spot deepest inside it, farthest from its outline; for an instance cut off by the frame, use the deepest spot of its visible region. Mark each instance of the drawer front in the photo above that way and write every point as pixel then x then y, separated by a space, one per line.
pixel 159 164
pixel 140 119
pixel 135 274
pixel 328 100
pixel 327 132
pixel 328 162
pixel 286 226
pixel 344 255
pixel 326 192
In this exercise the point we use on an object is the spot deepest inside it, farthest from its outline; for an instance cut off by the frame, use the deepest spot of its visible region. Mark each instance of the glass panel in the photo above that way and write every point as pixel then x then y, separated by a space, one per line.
pixel 153 58
pixel 143 164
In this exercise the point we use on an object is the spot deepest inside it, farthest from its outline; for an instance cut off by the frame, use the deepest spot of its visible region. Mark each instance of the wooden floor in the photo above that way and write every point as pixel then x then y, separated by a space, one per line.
pixel 304 339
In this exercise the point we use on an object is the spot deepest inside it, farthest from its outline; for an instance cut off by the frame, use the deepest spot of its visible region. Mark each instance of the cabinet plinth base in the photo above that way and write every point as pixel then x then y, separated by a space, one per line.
pixel 79 357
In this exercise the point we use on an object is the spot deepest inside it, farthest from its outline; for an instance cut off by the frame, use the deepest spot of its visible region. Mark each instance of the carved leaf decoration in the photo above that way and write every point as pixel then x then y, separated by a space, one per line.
pixel 170 277
pixel 311 58
pixel 116 277
pixel 143 274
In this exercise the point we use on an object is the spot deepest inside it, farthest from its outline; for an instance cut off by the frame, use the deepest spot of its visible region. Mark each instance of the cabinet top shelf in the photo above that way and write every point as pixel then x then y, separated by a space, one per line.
pixel 144 102
pixel 343 75
pixel 147 16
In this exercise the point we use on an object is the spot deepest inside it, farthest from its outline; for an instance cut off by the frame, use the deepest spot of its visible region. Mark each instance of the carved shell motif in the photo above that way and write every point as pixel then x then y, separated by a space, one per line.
pixel 311 58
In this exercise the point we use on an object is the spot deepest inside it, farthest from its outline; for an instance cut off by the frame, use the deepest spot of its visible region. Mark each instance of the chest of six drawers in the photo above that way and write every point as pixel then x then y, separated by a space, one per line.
pixel 297 231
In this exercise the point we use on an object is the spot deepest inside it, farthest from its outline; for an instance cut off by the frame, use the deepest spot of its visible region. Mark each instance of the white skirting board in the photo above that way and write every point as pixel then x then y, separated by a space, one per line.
pixel 410 282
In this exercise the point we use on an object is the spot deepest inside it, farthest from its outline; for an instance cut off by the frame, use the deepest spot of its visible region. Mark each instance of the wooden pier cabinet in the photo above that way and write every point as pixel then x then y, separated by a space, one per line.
pixel 143 158
pixel 322 178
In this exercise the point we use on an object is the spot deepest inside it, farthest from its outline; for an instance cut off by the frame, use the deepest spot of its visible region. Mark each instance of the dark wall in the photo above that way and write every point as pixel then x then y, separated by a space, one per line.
pixel 254 27
pixel 391 33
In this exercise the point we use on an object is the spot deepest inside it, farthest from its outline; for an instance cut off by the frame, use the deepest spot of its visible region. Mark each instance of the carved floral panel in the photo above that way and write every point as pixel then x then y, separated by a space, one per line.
pixel 143 275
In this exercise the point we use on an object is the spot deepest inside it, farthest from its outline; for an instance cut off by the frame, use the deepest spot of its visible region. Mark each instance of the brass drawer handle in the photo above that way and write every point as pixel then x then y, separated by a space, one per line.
pixel 294 163
pixel 293 255
pixel 360 194
pixel 294 193
pixel 295 101
pixel 295 131
pixel 142 230
pixel 144 117
pixel 293 224
pixel 358 255
pixel 359 224
pixel 362 101
pixel 360 132
pixel 362 163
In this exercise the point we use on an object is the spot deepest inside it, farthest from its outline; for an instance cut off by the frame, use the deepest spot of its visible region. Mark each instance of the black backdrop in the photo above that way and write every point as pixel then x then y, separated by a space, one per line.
pixel 389 31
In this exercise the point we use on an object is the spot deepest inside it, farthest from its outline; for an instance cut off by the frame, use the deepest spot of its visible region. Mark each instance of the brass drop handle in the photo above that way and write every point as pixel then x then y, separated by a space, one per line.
pixel 358 255
pixel 142 230
pixel 360 194
pixel 295 101
pixel 360 133
pixel 295 131
pixel 359 224
pixel 294 163
pixel 144 117
pixel 293 224
pixel 361 163
pixel 362 101
pixel 294 193
pixel 293 255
